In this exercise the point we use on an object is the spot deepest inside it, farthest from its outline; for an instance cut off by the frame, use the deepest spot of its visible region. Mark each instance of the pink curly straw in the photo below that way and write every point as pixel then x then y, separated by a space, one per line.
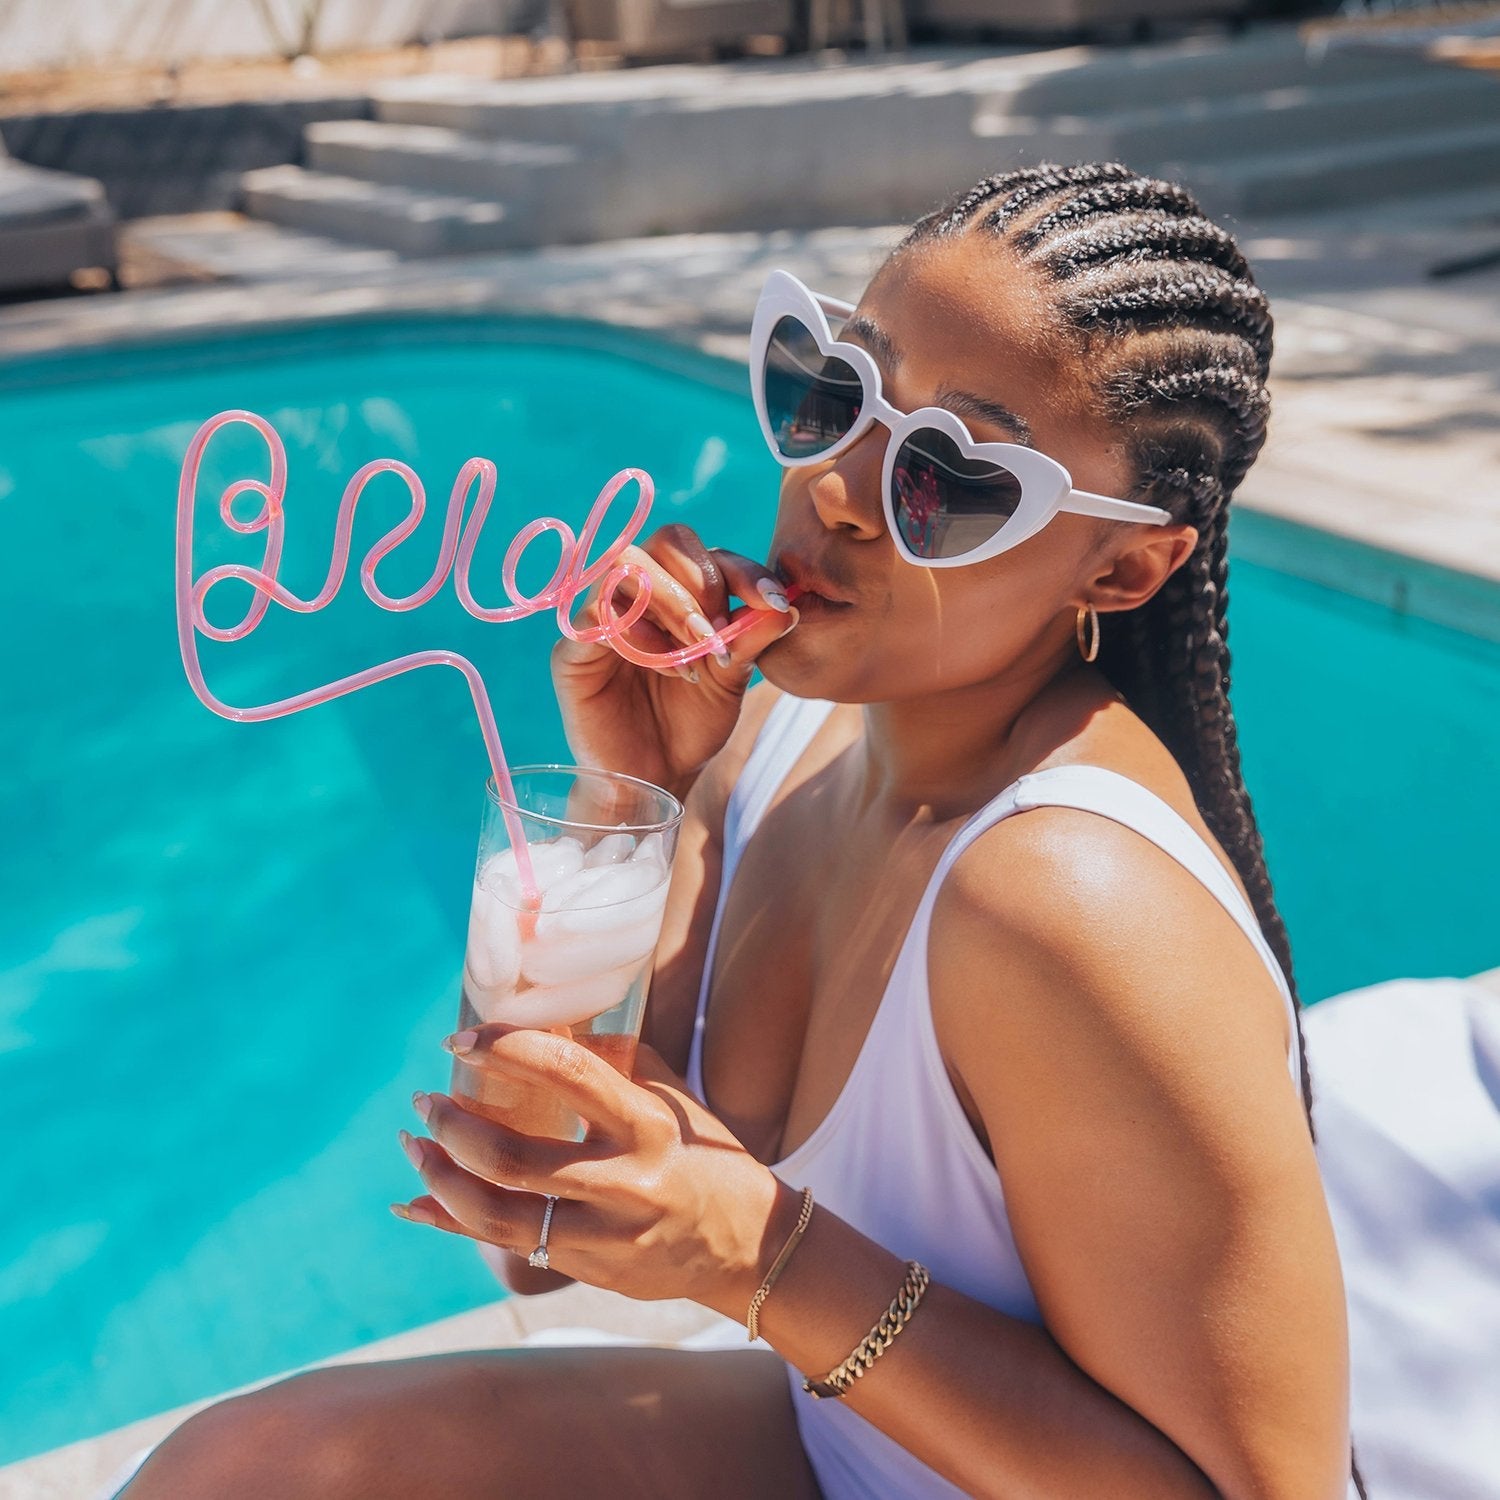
pixel 572 577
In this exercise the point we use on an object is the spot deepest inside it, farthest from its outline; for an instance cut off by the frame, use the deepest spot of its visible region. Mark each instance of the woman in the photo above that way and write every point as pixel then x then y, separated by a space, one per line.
pixel 912 996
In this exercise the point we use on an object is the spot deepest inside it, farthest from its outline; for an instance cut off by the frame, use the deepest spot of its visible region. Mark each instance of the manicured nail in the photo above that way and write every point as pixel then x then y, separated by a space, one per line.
pixel 422 1103
pixel 773 594
pixel 791 627
pixel 413 1146
pixel 688 674
pixel 412 1215
pixel 461 1041
pixel 722 658
pixel 721 622
pixel 699 626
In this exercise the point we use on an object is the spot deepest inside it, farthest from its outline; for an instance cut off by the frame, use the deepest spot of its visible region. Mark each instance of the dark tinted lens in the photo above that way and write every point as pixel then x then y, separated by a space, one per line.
pixel 812 400
pixel 947 504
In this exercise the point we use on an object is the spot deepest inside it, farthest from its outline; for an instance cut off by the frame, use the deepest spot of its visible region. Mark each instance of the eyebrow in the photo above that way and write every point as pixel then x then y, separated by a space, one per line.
pixel 967 404
pixel 960 403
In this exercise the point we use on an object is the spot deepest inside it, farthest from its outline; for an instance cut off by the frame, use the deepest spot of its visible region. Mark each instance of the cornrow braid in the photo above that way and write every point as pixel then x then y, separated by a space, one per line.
pixel 1165 304
pixel 1154 235
pixel 1023 185
pixel 1135 297
pixel 1115 197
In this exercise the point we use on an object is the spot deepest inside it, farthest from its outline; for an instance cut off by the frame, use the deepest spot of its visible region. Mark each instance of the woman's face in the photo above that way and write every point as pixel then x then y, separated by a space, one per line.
pixel 955 326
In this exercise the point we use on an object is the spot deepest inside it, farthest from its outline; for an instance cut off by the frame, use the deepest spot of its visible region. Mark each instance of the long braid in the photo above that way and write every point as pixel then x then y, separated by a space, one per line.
pixel 1164 303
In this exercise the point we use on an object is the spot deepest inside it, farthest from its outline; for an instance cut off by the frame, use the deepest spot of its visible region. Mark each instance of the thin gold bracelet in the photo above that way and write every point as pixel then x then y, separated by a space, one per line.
pixel 764 1289
pixel 880 1338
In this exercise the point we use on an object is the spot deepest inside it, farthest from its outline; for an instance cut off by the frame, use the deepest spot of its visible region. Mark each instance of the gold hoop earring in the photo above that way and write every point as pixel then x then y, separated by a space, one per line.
pixel 1091 650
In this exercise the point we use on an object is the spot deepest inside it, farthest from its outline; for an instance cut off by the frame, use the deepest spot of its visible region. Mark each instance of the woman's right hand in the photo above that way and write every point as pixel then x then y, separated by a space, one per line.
pixel 665 724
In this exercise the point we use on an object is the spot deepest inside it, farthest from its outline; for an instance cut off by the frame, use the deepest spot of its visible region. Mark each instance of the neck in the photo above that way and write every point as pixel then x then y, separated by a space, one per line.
pixel 943 754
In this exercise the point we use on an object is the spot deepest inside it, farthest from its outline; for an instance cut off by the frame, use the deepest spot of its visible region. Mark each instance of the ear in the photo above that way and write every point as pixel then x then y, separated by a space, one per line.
pixel 1133 572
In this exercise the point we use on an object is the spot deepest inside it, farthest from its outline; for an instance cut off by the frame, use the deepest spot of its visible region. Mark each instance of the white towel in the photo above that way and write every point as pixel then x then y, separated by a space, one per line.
pixel 1406 1100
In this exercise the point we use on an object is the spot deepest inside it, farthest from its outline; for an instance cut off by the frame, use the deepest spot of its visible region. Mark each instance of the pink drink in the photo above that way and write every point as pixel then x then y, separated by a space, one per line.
pixel 601 849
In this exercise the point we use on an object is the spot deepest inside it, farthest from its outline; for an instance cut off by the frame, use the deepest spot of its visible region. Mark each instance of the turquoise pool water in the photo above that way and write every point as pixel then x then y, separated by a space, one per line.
pixel 227 952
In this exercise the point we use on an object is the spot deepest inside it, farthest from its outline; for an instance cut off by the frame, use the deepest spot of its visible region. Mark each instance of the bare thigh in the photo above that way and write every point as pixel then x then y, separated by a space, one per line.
pixel 500 1424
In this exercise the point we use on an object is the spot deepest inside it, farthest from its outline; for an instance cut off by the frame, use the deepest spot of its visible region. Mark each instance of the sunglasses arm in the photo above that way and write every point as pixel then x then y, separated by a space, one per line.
pixel 1082 503
pixel 834 305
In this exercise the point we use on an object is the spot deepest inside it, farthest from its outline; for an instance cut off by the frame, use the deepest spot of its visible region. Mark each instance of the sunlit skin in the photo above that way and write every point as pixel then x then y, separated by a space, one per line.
pixel 1116 1043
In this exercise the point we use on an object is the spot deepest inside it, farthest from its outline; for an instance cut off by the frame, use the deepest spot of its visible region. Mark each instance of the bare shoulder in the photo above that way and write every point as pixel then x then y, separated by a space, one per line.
pixel 1125 1048
pixel 1101 928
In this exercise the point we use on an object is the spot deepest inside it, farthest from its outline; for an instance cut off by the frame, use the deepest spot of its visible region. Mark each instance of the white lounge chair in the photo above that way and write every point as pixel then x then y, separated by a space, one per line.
pixel 51 224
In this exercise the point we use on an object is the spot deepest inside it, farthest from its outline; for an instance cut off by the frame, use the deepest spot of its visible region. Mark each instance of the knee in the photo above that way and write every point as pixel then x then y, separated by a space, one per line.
pixel 270 1444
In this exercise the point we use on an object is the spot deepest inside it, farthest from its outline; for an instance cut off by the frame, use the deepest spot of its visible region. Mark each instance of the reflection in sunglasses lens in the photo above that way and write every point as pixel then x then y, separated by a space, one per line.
pixel 812 400
pixel 947 504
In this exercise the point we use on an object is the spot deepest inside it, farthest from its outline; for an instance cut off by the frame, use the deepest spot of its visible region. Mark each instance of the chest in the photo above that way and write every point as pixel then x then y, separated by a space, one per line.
pixel 814 921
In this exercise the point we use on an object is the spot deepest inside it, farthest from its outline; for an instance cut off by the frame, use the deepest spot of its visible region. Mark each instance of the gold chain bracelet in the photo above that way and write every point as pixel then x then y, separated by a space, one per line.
pixel 880 1338
pixel 764 1289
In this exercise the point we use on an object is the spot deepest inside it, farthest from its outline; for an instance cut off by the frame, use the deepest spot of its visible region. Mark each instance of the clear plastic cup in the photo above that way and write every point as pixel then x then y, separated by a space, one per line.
pixel 601 847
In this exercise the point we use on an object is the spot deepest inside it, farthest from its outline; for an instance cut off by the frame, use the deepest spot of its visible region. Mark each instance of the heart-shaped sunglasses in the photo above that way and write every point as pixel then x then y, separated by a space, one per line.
pixel 949 500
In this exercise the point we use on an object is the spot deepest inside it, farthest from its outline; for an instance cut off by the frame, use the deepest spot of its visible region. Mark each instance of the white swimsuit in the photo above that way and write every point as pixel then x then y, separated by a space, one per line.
pixel 896 1156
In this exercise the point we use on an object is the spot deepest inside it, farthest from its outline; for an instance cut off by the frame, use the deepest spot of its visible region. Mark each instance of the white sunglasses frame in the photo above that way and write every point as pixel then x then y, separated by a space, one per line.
pixel 1046 486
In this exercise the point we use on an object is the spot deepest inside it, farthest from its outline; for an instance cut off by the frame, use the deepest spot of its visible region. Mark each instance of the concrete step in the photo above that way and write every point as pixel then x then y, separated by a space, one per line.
pixel 523 109
pixel 438 159
pixel 230 247
pixel 1325 177
pixel 1070 79
pixel 1278 119
pixel 408 220
pixel 1144 76
pixel 1140 78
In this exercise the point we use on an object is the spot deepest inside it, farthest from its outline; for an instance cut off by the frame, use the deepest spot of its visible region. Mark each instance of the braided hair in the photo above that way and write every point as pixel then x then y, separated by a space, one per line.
pixel 1165 306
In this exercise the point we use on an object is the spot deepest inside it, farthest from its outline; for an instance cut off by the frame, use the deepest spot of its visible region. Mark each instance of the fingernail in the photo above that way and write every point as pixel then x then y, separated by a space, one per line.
pixel 773 594
pixel 721 622
pixel 413 1146
pixel 699 626
pixel 422 1103
pixel 412 1215
pixel 688 674
pixel 722 658
pixel 791 627
pixel 461 1041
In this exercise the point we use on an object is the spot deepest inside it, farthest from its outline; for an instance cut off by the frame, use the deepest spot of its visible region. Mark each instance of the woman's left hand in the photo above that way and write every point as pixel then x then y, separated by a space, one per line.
pixel 660 1201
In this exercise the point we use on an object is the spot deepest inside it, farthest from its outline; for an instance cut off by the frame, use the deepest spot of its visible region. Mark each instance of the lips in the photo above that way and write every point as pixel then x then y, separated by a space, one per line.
pixel 807 585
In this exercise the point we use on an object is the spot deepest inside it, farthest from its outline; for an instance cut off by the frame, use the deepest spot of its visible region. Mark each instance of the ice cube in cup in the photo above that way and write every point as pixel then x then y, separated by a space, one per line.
pixel 494 951
pixel 612 849
pixel 598 920
pixel 551 860
pixel 547 1006
pixel 651 849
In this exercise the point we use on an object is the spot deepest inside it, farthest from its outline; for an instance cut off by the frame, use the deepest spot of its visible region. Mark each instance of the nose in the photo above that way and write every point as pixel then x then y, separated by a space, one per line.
pixel 846 492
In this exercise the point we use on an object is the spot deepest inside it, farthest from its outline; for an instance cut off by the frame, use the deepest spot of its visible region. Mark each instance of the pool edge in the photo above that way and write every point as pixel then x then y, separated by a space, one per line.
pixel 1410 586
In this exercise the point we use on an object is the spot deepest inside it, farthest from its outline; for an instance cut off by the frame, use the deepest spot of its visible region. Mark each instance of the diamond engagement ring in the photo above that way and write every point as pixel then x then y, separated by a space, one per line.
pixel 538 1257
